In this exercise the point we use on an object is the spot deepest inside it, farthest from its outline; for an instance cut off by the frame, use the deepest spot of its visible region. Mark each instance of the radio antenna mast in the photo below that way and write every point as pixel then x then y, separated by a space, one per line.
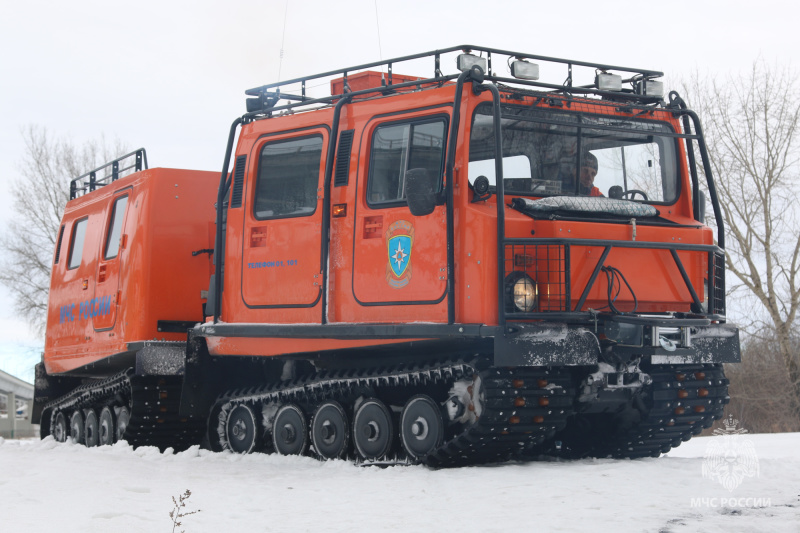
pixel 378 25
pixel 283 39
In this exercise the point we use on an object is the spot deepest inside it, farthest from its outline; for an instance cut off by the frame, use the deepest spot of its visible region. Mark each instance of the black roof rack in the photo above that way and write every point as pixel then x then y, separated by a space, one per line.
pixel 268 96
pixel 113 170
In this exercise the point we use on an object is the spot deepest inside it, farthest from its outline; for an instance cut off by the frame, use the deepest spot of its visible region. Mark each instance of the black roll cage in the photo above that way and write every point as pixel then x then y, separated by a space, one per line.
pixel 264 105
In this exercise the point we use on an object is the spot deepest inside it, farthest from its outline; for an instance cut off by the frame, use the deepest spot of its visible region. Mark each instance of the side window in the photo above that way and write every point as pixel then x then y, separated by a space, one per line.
pixel 288 178
pixel 397 148
pixel 115 228
pixel 76 243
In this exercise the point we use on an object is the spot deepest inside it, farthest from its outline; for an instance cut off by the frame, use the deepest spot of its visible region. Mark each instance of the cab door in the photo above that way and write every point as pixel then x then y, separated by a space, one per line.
pixel 104 304
pixel 399 258
pixel 281 246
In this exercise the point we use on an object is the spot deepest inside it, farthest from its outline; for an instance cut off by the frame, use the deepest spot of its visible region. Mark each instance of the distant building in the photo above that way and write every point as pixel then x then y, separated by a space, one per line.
pixel 16 404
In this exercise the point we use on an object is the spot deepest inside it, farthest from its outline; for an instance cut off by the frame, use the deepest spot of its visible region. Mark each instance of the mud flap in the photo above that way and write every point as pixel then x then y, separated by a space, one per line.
pixel 551 344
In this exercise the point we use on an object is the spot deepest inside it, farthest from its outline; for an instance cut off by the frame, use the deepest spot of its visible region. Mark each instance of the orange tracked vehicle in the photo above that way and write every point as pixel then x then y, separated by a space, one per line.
pixel 450 269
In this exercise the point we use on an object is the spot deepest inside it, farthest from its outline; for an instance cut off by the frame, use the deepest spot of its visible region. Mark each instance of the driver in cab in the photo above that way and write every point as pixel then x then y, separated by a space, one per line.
pixel 586 177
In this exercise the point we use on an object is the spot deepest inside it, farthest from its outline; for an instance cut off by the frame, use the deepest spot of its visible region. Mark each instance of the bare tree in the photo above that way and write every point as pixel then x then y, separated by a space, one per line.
pixel 751 125
pixel 40 194
pixel 761 393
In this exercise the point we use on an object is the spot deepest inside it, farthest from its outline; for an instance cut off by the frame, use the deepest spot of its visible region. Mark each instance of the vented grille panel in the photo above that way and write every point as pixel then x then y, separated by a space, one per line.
pixel 238 181
pixel 343 158
pixel 716 290
pixel 58 246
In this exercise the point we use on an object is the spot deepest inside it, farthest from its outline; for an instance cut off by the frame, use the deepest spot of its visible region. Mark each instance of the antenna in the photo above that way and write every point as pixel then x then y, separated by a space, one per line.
pixel 378 25
pixel 283 39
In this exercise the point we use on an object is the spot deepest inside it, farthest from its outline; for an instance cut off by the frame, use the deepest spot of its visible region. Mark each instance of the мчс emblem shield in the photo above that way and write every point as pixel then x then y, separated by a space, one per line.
pixel 399 241
pixel 399 253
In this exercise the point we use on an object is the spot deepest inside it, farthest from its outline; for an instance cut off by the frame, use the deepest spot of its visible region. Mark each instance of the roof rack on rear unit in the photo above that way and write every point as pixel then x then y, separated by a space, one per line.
pixel 113 171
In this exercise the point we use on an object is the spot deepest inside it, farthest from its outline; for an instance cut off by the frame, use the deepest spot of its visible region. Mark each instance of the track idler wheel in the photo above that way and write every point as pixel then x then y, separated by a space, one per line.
pixel 330 432
pixel 76 427
pixel 421 426
pixel 60 428
pixel 107 433
pixel 91 428
pixel 372 429
pixel 241 429
pixel 290 431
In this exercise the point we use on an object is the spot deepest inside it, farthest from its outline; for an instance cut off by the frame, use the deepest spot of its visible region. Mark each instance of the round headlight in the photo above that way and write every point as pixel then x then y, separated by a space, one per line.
pixel 525 294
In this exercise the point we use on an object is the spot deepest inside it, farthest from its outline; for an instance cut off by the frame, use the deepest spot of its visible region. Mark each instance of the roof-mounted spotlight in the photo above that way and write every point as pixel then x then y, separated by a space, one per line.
pixel 608 82
pixel 650 88
pixel 524 70
pixel 467 61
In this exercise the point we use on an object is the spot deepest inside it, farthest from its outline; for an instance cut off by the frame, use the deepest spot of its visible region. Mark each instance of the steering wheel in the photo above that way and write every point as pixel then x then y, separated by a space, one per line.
pixel 633 192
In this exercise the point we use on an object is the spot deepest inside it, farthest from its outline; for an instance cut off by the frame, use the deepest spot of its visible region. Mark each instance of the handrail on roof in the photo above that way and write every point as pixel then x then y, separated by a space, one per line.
pixel 268 95
pixel 91 181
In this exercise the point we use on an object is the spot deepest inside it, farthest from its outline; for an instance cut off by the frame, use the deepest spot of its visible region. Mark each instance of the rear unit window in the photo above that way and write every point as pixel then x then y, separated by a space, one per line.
pixel 76 243
pixel 288 178
pixel 115 229
pixel 397 148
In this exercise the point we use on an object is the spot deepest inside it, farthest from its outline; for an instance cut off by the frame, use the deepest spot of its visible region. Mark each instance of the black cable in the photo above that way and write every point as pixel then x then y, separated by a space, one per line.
pixel 612 275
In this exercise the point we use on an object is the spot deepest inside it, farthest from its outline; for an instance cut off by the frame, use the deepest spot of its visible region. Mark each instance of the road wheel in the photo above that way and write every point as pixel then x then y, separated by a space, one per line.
pixel 330 432
pixel 241 429
pixel 60 429
pixel 123 418
pixel 107 431
pixel 76 431
pixel 91 428
pixel 290 431
pixel 421 426
pixel 372 429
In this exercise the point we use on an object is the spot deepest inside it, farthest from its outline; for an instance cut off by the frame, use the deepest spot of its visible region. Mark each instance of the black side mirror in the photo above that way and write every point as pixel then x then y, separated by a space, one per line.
pixel 615 192
pixel 420 192
pixel 701 208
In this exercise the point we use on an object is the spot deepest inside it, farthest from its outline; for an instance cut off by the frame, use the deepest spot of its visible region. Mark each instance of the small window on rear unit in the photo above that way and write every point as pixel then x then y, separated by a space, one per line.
pixel 76 243
pixel 115 228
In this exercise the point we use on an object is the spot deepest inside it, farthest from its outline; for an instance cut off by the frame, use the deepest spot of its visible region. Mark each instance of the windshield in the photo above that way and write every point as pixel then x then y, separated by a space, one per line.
pixel 551 153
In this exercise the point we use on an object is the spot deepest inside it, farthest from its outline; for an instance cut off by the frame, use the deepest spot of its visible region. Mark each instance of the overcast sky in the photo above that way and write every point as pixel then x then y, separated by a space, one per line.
pixel 170 75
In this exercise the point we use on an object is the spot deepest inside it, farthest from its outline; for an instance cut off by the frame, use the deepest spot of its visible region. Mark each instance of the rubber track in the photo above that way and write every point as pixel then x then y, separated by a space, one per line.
pixel 685 400
pixel 153 402
pixel 505 428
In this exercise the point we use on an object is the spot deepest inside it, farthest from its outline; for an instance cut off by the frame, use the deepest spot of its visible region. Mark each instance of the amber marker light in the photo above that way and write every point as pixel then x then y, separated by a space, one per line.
pixel 339 210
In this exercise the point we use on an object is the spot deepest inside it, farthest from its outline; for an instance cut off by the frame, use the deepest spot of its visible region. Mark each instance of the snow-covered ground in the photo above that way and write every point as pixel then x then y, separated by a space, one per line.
pixel 47 486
